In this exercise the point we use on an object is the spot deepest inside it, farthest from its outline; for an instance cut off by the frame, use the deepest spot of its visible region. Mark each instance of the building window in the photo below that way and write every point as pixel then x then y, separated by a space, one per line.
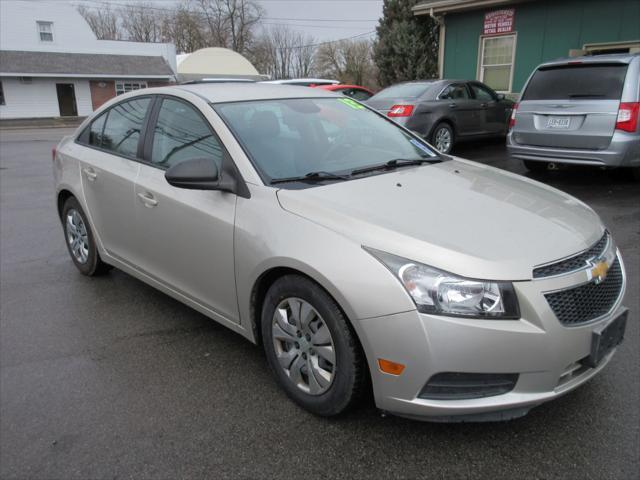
pixel 496 62
pixel 1 95
pixel 45 30
pixel 124 87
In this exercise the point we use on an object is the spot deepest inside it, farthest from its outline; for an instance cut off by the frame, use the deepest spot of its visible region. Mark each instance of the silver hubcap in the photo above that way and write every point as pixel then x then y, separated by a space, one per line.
pixel 443 140
pixel 304 346
pixel 77 236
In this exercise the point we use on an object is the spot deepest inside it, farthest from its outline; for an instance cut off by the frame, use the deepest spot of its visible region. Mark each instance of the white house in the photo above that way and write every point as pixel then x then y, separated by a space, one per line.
pixel 51 63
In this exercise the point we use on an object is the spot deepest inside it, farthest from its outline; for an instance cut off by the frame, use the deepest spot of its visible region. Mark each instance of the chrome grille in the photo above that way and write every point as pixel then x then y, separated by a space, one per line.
pixel 574 263
pixel 588 301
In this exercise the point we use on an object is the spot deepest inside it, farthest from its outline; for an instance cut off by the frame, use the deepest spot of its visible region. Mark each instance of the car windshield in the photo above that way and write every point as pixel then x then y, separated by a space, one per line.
pixel 294 137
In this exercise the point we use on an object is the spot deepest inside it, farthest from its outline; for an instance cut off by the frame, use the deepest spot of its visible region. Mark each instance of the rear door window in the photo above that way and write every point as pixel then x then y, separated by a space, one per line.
pixel 123 127
pixel 457 91
pixel 586 81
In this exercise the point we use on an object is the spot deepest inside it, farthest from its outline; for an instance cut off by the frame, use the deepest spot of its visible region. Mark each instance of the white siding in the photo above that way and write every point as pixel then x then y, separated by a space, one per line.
pixel 71 33
pixel 39 98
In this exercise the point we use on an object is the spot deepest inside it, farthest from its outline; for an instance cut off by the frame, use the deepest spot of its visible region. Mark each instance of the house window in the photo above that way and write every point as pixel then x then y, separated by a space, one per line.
pixel 124 87
pixel 45 30
pixel 1 95
pixel 496 61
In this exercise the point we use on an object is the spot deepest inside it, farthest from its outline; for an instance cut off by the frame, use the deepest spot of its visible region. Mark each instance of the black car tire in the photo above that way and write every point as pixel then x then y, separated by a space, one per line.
pixel 351 375
pixel 442 128
pixel 94 265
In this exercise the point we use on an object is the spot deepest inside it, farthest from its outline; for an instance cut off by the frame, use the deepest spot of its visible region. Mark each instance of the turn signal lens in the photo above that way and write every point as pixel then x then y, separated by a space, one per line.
pixel 628 116
pixel 400 111
pixel 392 368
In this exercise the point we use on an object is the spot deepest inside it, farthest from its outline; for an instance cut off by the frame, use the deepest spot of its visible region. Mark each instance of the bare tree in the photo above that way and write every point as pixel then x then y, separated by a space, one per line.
pixel 349 61
pixel 184 28
pixel 281 52
pixel 230 23
pixel 141 22
pixel 103 21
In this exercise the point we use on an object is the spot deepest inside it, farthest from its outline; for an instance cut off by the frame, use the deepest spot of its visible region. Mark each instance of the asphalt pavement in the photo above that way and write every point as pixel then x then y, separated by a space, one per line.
pixel 109 378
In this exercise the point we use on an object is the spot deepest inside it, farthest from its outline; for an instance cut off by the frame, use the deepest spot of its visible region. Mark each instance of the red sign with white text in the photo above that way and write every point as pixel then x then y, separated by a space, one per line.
pixel 498 22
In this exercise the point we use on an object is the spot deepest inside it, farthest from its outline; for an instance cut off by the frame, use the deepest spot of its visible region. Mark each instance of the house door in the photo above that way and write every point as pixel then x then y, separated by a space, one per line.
pixel 67 100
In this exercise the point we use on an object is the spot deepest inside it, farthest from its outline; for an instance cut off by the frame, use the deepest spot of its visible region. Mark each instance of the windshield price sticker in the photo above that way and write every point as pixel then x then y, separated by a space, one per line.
pixel 351 103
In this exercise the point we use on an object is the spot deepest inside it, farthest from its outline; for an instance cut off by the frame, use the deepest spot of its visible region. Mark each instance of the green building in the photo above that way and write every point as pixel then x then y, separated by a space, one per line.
pixel 500 42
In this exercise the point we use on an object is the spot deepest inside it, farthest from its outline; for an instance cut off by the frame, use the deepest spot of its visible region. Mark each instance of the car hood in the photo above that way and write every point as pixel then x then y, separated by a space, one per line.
pixel 459 216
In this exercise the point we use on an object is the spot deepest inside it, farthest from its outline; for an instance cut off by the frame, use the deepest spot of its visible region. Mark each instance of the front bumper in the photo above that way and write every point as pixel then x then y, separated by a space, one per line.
pixel 623 151
pixel 545 354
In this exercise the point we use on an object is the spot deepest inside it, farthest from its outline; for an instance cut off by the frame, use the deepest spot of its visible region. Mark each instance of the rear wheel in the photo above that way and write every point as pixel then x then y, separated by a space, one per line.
pixel 535 166
pixel 80 241
pixel 442 137
pixel 635 173
pixel 310 347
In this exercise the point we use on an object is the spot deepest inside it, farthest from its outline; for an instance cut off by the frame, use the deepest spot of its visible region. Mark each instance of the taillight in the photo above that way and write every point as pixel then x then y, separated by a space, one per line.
pixel 400 111
pixel 54 151
pixel 628 113
pixel 512 118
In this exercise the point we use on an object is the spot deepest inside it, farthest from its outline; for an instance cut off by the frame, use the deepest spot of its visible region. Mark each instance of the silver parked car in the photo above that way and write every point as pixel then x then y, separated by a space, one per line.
pixel 580 111
pixel 446 111
pixel 350 249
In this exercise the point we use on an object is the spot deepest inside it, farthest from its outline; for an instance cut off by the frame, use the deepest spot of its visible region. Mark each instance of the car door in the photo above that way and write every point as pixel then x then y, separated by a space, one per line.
pixel 456 102
pixel 186 236
pixel 492 111
pixel 108 168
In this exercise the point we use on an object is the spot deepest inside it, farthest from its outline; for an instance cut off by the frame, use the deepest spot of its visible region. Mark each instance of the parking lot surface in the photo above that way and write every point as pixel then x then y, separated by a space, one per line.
pixel 109 378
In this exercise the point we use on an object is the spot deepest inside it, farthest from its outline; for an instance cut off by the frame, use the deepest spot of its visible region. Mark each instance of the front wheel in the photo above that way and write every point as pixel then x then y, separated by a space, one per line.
pixel 80 241
pixel 311 349
pixel 442 138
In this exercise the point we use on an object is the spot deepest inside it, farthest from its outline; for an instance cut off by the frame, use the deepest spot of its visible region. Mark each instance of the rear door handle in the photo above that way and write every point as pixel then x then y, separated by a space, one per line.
pixel 147 199
pixel 90 173
pixel 453 105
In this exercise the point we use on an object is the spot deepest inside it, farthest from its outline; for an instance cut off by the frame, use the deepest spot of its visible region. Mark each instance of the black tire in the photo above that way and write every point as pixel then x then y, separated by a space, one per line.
pixel 446 129
pixel 93 265
pixel 535 166
pixel 351 375
pixel 635 173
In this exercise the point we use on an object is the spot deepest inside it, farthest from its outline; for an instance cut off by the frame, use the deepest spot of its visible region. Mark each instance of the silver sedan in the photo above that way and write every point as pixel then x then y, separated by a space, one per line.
pixel 347 247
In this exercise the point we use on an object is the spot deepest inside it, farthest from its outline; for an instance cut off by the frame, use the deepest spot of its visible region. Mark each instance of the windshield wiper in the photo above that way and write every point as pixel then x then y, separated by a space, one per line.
pixel 395 163
pixel 586 95
pixel 311 176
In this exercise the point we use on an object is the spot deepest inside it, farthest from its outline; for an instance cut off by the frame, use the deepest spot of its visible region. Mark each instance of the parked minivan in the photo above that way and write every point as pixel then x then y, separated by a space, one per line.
pixel 579 111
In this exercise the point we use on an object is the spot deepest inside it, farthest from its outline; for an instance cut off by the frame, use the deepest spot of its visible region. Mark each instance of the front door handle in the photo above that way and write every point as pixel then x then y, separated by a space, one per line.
pixel 453 105
pixel 90 173
pixel 147 199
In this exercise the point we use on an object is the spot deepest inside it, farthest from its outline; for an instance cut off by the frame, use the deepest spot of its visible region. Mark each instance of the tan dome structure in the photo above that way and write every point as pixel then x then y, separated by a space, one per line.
pixel 215 63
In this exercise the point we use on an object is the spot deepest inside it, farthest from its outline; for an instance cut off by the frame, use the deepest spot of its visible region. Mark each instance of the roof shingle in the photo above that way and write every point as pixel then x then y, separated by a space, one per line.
pixel 13 61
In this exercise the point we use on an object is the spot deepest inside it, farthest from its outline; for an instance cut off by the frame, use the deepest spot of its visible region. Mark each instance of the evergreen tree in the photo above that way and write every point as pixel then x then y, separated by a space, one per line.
pixel 407 46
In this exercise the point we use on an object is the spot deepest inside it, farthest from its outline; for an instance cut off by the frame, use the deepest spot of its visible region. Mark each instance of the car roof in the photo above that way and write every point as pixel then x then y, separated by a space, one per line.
pixel 237 92
pixel 341 86
pixel 298 80
pixel 612 57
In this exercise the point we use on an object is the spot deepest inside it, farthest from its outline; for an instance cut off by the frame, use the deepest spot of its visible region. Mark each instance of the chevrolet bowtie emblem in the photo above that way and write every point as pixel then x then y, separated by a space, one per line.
pixel 599 271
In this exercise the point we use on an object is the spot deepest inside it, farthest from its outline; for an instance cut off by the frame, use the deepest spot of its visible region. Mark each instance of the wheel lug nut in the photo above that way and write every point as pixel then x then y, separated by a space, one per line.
pixel 304 355
pixel 297 345
pixel 307 336
pixel 298 333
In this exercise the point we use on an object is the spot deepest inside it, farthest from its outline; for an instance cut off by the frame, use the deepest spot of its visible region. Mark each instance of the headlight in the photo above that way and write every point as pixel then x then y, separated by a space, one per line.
pixel 439 292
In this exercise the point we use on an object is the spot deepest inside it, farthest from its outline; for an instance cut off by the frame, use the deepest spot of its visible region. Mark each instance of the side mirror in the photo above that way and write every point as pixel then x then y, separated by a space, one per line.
pixel 194 174
pixel 500 96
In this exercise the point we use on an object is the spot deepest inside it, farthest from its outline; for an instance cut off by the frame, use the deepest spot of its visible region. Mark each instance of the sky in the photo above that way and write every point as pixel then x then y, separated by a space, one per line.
pixel 322 19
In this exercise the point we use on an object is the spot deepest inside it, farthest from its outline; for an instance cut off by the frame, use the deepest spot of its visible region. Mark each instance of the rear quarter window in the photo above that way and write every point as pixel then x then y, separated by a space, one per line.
pixel 586 81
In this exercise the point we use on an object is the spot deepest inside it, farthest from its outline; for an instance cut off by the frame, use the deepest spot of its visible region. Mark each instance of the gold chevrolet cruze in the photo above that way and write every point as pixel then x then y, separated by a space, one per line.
pixel 347 246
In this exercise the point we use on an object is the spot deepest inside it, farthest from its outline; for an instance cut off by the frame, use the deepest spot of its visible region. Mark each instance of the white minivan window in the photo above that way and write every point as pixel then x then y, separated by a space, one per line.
pixel 588 80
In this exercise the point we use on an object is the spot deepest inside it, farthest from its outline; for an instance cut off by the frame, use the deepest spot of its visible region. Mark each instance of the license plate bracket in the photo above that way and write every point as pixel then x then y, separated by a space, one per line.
pixel 606 339
pixel 558 122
